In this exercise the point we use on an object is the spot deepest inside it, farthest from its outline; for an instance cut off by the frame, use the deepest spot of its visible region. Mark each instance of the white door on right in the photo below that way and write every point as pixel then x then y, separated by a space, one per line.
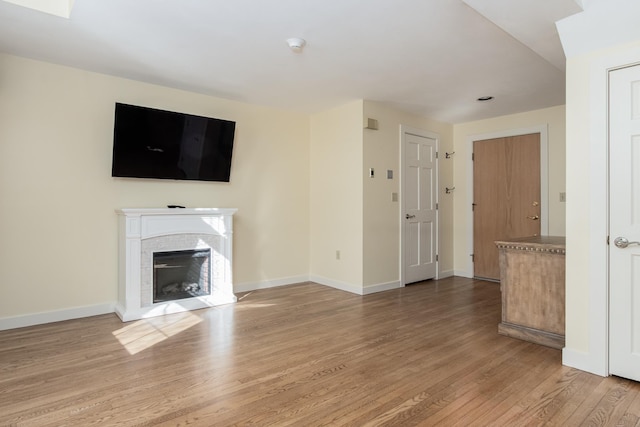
pixel 624 222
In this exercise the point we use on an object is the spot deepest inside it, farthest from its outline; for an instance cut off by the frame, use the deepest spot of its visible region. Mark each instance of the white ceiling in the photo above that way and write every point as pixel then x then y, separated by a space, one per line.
pixel 429 57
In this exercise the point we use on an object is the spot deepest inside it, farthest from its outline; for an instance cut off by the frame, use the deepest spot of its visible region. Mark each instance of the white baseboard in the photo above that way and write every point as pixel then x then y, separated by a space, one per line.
pixel 381 287
pixel 445 274
pixel 253 286
pixel 583 361
pixel 347 287
pixel 55 316
pixel 95 310
pixel 463 273
pixel 355 289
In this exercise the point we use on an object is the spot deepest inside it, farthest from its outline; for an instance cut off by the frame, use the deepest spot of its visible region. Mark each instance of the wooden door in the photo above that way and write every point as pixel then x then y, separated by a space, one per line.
pixel 419 201
pixel 624 223
pixel 506 195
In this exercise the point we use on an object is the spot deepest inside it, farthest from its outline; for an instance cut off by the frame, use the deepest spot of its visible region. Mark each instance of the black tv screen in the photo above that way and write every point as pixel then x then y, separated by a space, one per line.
pixel 151 143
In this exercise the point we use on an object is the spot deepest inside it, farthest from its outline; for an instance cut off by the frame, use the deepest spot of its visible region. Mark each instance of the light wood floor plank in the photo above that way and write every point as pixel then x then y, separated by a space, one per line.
pixel 305 355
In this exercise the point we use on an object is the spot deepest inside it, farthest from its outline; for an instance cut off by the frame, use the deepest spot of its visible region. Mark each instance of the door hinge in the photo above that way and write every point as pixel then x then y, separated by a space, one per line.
pixel 436 258
pixel 473 258
pixel 473 157
pixel 607 240
pixel 436 154
pixel 473 207
pixel 436 206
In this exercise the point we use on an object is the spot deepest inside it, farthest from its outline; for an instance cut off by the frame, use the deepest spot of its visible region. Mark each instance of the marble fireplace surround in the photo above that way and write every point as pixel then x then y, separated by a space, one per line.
pixel 146 231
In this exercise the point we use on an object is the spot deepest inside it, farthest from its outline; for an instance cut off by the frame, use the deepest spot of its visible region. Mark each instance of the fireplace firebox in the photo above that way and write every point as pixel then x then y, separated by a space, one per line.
pixel 181 274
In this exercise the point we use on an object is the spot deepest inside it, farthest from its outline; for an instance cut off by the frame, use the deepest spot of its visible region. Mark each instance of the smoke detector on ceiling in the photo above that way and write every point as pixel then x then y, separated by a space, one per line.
pixel 296 44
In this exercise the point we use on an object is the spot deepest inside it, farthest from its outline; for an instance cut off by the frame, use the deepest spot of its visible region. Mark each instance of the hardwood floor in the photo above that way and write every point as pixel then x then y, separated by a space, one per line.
pixel 305 355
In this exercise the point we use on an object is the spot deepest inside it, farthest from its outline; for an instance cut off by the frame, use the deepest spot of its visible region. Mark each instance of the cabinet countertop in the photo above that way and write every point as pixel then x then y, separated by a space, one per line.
pixel 554 244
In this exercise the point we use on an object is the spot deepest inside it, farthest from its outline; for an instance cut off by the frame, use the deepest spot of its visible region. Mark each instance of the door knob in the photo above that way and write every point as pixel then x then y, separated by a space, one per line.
pixel 410 216
pixel 623 242
pixel 534 217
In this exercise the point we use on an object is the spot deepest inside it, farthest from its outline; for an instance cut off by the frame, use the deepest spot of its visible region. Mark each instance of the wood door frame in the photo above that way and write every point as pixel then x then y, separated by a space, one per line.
pixel 404 129
pixel 544 180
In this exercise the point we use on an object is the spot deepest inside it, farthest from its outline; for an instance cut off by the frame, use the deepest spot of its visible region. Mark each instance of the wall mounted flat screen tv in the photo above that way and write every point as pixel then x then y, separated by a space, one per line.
pixel 151 143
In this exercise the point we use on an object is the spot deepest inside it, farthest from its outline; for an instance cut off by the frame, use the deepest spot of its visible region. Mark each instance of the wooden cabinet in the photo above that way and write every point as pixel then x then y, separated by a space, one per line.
pixel 532 281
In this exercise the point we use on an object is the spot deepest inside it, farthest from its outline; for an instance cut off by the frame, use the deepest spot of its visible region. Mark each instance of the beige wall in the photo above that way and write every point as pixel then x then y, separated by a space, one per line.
pixel 578 215
pixel 353 213
pixel 587 210
pixel 382 216
pixel 554 120
pixel 58 244
pixel 336 197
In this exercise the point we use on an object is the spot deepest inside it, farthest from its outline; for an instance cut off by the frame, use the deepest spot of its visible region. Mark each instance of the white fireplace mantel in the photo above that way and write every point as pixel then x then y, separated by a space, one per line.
pixel 144 231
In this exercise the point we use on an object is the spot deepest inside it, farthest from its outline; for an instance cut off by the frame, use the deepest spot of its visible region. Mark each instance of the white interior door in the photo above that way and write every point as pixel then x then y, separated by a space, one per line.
pixel 419 206
pixel 624 223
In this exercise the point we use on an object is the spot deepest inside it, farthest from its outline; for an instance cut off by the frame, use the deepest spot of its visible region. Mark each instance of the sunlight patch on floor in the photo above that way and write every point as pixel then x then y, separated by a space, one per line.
pixel 252 305
pixel 249 305
pixel 143 334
